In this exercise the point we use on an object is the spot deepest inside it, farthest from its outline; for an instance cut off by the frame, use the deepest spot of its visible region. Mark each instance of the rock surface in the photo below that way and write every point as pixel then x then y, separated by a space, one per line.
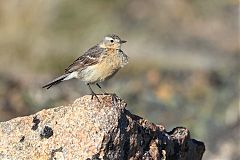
pixel 88 129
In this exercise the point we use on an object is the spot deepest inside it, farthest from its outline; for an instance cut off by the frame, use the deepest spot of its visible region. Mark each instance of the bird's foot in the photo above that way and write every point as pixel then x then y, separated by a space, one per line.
pixel 95 95
pixel 114 98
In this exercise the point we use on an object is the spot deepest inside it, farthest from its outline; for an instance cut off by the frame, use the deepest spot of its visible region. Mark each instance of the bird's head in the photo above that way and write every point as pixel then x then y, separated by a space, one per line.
pixel 111 41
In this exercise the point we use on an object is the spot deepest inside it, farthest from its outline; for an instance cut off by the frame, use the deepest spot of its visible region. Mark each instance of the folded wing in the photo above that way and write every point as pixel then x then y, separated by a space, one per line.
pixel 89 58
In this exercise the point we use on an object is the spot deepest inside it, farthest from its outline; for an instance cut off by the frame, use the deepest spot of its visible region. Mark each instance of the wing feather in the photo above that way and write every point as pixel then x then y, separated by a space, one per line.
pixel 90 57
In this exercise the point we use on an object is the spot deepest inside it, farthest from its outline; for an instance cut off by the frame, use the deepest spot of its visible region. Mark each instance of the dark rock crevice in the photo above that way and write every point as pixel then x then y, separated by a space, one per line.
pixel 140 138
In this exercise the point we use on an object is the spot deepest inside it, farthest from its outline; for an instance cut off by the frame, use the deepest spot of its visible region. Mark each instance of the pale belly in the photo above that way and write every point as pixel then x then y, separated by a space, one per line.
pixel 99 72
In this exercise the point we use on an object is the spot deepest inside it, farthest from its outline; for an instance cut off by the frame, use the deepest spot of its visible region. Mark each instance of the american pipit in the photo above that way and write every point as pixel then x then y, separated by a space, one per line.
pixel 97 64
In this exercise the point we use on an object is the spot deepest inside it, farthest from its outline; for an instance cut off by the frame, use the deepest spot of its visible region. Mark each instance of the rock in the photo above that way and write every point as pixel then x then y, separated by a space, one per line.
pixel 88 129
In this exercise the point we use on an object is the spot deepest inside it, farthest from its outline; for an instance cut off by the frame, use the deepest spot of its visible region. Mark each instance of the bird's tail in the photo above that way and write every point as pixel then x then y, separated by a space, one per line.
pixel 55 81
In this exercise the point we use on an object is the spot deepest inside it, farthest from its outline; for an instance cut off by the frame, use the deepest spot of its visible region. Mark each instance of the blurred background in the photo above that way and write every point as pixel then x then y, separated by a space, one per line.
pixel 183 70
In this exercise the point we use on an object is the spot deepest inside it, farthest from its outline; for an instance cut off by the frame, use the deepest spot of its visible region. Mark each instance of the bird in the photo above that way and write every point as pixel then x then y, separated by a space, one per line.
pixel 97 64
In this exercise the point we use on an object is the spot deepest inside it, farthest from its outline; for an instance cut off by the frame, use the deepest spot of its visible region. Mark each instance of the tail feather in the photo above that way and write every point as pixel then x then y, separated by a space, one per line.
pixel 55 81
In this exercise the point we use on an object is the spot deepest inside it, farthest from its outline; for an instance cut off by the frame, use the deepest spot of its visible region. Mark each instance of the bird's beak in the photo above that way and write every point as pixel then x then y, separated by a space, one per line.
pixel 123 41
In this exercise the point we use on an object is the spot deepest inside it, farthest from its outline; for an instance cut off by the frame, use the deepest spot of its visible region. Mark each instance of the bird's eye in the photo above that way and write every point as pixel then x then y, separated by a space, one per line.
pixel 111 41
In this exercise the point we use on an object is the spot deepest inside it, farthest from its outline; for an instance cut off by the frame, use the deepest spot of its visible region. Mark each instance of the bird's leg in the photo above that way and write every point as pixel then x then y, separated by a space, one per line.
pixel 92 93
pixel 103 91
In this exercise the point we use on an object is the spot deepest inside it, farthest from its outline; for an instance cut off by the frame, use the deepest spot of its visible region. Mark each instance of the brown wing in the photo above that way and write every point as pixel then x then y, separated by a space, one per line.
pixel 89 58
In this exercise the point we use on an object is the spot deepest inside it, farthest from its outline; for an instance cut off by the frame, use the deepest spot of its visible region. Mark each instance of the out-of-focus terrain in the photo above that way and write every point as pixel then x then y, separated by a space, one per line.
pixel 183 70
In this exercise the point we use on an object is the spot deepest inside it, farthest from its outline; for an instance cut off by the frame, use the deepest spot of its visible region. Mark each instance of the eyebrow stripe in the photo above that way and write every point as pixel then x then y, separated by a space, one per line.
pixel 108 38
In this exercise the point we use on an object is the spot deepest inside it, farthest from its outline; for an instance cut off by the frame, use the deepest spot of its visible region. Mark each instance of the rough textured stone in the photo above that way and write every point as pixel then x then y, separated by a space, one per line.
pixel 88 129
